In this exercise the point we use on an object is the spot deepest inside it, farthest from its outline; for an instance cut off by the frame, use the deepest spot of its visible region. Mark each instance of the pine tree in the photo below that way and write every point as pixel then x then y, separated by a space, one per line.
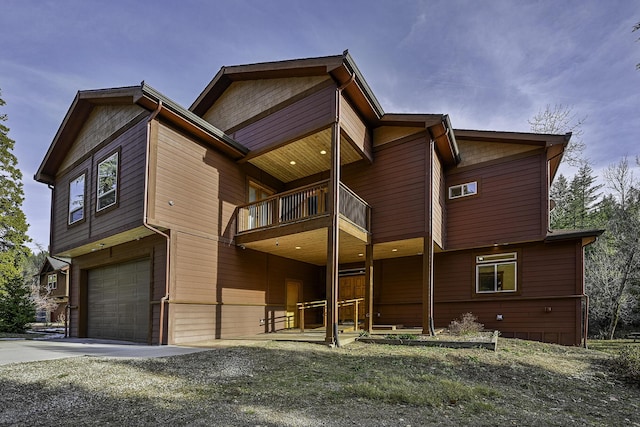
pixel 584 195
pixel 13 223
pixel 561 196
pixel 15 305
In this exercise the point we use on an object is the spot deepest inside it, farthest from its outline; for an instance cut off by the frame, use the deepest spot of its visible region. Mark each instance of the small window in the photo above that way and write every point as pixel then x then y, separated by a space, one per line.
pixel 76 200
pixel 462 190
pixel 52 281
pixel 107 182
pixel 496 273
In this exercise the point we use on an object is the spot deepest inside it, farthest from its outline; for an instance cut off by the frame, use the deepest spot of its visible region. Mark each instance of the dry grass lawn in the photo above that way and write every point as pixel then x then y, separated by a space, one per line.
pixel 296 384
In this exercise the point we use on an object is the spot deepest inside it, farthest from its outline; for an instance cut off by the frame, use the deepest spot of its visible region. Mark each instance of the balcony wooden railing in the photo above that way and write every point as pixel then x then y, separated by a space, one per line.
pixel 302 306
pixel 301 203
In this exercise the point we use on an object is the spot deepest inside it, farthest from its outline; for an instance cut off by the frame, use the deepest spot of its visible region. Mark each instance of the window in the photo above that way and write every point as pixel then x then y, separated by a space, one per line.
pixel 496 273
pixel 107 182
pixel 462 190
pixel 76 200
pixel 52 281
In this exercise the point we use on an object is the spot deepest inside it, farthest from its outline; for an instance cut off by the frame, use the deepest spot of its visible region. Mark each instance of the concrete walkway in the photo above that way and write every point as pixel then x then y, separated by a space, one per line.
pixel 19 351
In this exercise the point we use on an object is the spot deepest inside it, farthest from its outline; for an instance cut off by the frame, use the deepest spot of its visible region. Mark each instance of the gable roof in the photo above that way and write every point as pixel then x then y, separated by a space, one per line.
pixel 344 71
pixel 341 68
pixel 554 144
pixel 56 264
pixel 143 95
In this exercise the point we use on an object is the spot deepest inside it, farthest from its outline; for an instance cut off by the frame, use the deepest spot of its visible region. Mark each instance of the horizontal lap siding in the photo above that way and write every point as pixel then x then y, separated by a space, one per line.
pixel 552 269
pixel 521 319
pixel 130 208
pixel 398 291
pixel 243 100
pixel 394 187
pixel 439 202
pixel 296 120
pixel 127 215
pixel 507 208
pixel 191 323
pixel 545 270
pixel 187 187
pixel 355 128
pixel 195 268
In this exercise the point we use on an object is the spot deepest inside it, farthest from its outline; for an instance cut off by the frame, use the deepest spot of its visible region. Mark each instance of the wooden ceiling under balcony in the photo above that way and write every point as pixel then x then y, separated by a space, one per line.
pixel 307 155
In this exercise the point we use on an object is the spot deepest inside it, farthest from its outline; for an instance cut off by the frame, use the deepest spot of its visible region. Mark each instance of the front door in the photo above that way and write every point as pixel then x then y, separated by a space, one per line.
pixel 294 294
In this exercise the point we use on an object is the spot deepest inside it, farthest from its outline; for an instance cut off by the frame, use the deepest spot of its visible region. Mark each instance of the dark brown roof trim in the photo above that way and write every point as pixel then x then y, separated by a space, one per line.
pixel 557 235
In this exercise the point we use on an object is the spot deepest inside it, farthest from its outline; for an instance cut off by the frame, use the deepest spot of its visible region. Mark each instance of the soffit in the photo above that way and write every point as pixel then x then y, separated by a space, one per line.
pixel 306 153
pixel 311 247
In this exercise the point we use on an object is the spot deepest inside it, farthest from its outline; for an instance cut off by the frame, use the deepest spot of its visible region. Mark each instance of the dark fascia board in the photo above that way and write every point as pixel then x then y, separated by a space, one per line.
pixel 409 119
pixel 542 139
pixel 558 235
pixel 143 95
pixel 340 67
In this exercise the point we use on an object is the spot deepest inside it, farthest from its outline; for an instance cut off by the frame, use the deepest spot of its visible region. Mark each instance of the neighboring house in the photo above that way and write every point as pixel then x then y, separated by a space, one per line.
pixel 54 285
pixel 286 182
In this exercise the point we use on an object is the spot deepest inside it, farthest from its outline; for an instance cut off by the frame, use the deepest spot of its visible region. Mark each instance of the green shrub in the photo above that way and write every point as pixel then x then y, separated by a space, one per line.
pixel 626 364
pixel 467 324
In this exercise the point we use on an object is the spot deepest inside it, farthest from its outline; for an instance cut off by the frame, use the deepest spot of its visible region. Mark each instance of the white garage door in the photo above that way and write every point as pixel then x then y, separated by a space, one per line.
pixel 118 298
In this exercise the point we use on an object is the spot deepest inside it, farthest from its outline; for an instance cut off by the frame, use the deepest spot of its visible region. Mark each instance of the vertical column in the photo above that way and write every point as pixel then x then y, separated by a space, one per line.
pixel 333 237
pixel 427 252
pixel 368 290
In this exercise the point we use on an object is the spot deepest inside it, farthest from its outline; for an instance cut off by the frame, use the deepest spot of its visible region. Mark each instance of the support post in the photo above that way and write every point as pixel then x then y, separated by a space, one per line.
pixel 333 235
pixel 427 253
pixel 368 289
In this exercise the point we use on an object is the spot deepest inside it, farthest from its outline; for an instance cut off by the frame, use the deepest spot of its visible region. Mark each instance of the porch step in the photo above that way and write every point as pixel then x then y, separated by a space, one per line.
pixel 387 327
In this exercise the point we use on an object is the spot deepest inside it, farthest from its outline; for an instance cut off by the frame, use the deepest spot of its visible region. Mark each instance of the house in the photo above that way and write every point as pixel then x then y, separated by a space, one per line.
pixel 287 183
pixel 54 284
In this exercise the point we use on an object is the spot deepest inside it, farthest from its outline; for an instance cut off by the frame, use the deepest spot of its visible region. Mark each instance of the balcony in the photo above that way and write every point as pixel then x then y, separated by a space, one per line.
pixel 299 205
pixel 293 224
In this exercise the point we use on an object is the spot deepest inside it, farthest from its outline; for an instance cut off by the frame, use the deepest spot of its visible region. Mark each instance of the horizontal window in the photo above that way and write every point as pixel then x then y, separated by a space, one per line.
pixel 462 190
pixel 496 273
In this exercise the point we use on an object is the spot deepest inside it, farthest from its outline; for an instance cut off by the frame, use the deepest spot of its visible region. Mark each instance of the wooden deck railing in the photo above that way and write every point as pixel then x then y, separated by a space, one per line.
pixel 301 203
pixel 302 306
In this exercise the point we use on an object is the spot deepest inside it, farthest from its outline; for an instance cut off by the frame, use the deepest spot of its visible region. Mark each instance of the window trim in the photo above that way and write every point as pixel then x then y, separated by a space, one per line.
pixel 84 199
pixel 49 281
pixel 495 260
pixel 116 190
pixel 463 190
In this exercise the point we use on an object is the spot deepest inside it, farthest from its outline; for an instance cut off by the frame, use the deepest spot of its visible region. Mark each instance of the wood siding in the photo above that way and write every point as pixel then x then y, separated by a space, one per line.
pixel 355 128
pixel 385 134
pixel 548 277
pixel 439 198
pixel 474 152
pixel 397 291
pixel 246 99
pixel 299 119
pixel 204 186
pixel 507 207
pixel 104 121
pixel 395 187
pixel 129 211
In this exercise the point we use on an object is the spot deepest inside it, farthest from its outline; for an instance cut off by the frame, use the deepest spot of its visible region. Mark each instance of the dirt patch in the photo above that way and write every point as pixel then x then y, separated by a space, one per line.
pixel 298 384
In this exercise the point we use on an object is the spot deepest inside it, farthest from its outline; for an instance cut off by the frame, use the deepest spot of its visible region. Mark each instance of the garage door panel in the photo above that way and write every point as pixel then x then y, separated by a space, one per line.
pixel 118 299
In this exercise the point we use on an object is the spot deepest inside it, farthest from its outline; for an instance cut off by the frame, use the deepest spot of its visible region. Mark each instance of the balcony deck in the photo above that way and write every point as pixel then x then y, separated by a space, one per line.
pixel 293 224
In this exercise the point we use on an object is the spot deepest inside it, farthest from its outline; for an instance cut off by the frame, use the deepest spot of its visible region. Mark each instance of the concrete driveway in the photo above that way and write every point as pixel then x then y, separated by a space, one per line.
pixel 19 351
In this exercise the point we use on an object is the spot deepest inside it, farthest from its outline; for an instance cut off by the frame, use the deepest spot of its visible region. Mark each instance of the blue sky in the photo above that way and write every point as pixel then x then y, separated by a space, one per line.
pixel 488 64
